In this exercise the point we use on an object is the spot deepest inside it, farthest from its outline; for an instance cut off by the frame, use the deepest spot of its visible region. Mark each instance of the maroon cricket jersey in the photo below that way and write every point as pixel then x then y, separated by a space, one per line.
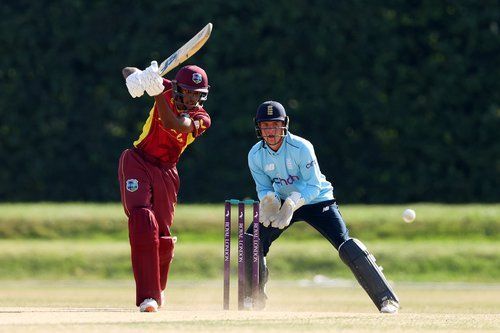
pixel 164 144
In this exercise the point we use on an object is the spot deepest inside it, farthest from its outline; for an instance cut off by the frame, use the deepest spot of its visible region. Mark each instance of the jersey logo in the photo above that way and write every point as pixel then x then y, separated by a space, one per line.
pixel 310 164
pixel 132 185
pixel 269 167
pixel 289 163
pixel 283 182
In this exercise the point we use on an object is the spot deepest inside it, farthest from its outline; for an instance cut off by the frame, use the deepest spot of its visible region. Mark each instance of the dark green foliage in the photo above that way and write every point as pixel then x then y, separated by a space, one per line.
pixel 400 99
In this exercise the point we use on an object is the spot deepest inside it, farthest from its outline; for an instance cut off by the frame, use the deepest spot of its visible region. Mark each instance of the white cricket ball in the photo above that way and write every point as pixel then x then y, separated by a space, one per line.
pixel 409 215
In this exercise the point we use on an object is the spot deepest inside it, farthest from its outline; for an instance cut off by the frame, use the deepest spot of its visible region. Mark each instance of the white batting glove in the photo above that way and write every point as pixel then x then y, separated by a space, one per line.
pixel 151 80
pixel 134 84
pixel 284 216
pixel 269 207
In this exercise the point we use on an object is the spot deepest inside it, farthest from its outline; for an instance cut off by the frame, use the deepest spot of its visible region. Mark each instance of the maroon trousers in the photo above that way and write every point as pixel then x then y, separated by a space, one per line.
pixel 148 191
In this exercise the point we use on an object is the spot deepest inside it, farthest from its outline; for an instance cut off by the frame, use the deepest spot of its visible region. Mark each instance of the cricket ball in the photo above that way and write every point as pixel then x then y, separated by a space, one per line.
pixel 409 215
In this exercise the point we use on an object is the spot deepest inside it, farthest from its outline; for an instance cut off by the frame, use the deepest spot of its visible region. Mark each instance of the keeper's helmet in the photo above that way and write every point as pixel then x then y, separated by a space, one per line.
pixel 192 78
pixel 271 111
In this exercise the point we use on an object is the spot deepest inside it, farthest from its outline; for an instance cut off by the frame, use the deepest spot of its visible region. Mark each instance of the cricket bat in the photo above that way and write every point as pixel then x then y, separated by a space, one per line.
pixel 182 54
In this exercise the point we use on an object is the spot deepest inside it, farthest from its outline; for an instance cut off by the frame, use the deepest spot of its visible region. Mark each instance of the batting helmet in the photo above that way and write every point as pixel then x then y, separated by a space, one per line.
pixel 191 78
pixel 270 111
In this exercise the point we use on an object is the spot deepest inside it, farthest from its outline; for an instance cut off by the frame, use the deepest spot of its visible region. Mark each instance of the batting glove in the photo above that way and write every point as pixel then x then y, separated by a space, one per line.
pixel 269 207
pixel 134 84
pixel 151 80
pixel 284 216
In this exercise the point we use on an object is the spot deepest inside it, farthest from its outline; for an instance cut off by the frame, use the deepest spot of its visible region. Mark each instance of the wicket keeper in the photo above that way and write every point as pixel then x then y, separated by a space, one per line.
pixel 147 172
pixel 291 188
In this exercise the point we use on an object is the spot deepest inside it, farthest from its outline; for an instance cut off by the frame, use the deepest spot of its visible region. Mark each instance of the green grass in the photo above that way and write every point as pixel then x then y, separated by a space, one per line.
pixel 205 222
pixel 90 241
pixel 55 220
pixel 288 259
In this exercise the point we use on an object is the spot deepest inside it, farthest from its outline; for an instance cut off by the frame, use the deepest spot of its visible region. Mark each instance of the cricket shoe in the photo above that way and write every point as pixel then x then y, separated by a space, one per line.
pixel 148 305
pixel 389 306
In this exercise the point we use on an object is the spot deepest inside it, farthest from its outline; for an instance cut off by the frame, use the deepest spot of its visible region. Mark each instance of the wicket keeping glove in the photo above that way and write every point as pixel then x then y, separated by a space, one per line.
pixel 269 207
pixel 151 80
pixel 134 84
pixel 284 216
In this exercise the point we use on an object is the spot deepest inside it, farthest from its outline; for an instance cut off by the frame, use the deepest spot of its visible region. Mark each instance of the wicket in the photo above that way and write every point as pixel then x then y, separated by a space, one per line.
pixel 244 303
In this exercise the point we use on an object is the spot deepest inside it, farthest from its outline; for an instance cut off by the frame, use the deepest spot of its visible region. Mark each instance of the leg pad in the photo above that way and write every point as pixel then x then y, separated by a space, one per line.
pixel 369 275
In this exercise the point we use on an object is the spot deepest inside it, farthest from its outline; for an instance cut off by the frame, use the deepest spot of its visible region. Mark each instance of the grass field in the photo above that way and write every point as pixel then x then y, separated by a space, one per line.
pixel 66 268
pixel 205 222
pixel 294 306
pixel 85 240
pixel 403 260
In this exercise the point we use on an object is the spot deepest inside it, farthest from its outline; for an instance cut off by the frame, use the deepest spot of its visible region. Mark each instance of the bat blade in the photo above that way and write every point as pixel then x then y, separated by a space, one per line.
pixel 186 51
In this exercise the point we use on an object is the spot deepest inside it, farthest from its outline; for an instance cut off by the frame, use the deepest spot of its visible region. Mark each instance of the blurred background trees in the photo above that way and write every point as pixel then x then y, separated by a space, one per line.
pixel 401 100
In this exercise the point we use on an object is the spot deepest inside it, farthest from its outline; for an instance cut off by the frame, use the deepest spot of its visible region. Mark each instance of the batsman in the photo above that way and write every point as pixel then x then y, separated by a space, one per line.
pixel 291 188
pixel 147 172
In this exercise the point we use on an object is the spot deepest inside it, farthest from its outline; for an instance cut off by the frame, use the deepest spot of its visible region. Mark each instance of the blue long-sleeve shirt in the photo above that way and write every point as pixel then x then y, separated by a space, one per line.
pixel 293 168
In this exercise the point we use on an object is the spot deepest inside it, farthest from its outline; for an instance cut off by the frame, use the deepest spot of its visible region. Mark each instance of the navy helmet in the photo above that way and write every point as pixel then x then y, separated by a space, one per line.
pixel 270 111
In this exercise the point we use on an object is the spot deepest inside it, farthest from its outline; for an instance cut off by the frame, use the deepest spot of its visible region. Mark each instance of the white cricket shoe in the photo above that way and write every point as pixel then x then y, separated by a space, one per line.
pixel 389 306
pixel 148 305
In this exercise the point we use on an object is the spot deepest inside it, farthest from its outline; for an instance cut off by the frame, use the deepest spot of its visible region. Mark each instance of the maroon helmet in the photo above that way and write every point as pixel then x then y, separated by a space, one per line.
pixel 192 78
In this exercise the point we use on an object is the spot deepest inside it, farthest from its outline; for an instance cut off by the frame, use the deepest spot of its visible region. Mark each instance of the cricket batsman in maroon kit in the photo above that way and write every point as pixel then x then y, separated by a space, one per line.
pixel 147 172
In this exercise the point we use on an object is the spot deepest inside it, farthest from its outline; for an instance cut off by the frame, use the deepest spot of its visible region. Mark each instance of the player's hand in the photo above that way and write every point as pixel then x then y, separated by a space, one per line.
pixel 284 216
pixel 269 207
pixel 134 83
pixel 151 80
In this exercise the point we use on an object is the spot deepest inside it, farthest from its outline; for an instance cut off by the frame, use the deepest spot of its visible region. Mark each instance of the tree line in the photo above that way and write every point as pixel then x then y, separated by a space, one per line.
pixel 401 99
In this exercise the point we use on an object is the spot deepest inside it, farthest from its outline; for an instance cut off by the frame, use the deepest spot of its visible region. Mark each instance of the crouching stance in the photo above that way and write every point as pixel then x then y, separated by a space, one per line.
pixel 148 176
pixel 291 188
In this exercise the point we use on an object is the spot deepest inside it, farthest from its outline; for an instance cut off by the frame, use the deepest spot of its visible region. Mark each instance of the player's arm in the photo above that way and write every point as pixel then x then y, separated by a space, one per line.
pixel 263 184
pixel 149 80
pixel 170 120
pixel 269 203
pixel 311 174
